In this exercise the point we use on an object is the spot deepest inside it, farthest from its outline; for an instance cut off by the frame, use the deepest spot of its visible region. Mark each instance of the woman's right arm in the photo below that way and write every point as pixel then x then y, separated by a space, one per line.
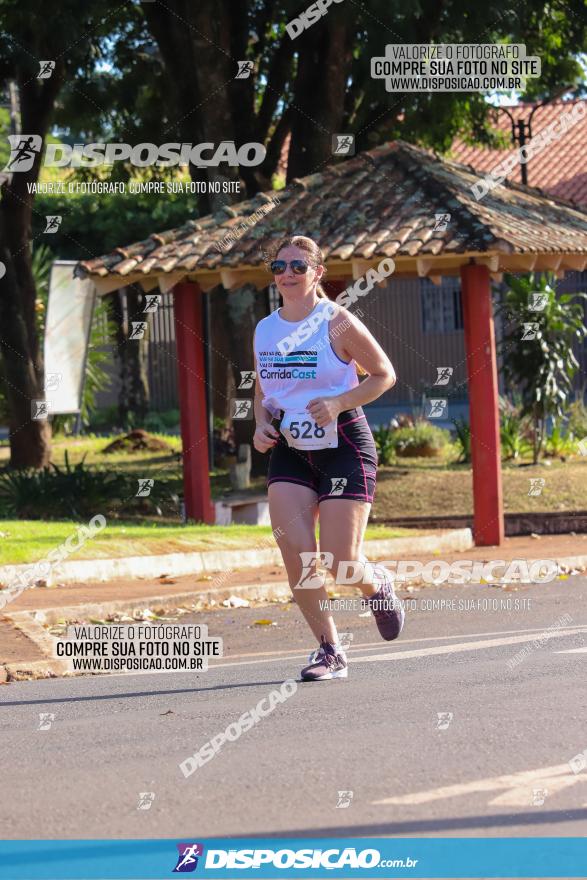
pixel 265 434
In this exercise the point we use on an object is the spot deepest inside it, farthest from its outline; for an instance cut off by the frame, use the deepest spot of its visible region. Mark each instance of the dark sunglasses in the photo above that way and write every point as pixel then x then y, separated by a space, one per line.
pixel 298 267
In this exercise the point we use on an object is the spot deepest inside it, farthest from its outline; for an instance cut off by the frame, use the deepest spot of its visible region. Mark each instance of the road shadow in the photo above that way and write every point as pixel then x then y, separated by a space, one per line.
pixel 420 826
pixel 124 696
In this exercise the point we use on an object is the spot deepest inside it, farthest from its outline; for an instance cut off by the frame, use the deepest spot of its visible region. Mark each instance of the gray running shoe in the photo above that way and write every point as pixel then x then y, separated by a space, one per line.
pixel 314 655
pixel 386 608
pixel 329 663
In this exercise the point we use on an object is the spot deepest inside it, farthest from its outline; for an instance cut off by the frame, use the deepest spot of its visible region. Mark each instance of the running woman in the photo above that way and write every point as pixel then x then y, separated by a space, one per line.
pixel 323 458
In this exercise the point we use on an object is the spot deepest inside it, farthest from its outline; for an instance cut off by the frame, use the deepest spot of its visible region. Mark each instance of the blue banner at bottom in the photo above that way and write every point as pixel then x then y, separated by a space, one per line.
pixel 232 858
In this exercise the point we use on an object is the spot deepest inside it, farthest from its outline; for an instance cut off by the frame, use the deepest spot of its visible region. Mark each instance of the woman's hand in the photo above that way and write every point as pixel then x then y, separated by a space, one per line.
pixel 265 437
pixel 324 410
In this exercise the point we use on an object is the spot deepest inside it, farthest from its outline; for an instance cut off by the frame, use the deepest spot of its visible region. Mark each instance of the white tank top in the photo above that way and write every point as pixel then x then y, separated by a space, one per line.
pixel 296 361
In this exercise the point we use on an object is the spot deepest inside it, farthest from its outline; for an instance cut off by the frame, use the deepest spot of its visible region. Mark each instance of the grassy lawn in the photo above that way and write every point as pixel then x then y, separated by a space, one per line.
pixel 92 448
pixel 25 541
pixel 422 488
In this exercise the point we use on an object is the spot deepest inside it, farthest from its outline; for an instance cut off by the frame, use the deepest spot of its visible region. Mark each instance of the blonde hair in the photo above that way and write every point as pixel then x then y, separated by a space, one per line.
pixel 310 247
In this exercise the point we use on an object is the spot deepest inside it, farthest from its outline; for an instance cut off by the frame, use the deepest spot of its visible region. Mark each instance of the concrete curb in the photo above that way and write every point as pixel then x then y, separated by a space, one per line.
pixel 32 629
pixel 33 669
pixel 96 570
pixel 101 610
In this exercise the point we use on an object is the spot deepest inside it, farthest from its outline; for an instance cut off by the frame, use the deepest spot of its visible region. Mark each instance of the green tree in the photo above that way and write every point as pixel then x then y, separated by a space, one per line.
pixel 167 72
pixel 537 348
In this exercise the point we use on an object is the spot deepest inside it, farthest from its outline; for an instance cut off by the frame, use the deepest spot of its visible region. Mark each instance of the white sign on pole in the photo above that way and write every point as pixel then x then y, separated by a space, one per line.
pixel 67 331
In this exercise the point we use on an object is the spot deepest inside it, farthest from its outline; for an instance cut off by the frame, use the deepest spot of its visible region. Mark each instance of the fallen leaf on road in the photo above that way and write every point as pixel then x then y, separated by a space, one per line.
pixel 264 622
pixel 145 614
pixel 236 602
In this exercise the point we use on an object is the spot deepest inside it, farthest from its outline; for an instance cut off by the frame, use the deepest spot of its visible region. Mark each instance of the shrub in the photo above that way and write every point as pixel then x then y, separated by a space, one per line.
pixel 463 439
pixel 77 492
pixel 561 442
pixel 107 419
pixel 103 420
pixel 383 437
pixel 69 491
pixel 577 419
pixel 541 364
pixel 420 439
pixel 515 430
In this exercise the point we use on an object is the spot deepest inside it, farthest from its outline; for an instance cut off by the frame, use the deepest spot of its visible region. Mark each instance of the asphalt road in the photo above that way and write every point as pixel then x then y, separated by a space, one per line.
pixel 435 734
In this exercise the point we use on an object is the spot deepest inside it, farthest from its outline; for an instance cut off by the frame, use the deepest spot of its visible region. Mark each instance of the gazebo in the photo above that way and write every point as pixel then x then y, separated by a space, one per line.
pixel 381 203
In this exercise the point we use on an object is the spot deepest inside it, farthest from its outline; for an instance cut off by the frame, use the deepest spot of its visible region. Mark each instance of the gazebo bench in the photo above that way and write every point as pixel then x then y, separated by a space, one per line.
pixel 251 510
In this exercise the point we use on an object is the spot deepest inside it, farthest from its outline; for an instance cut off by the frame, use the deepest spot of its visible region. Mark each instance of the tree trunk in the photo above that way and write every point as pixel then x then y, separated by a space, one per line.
pixel 246 306
pixel 223 381
pixel 131 355
pixel 318 105
pixel 195 44
pixel 137 354
pixel 196 69
pixel 30 437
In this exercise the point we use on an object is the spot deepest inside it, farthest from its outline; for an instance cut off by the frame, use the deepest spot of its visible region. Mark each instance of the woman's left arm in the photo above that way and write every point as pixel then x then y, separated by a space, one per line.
pixel 358 344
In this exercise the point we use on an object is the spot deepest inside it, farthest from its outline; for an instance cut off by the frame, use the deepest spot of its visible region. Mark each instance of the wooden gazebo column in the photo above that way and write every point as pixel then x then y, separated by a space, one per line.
pixel 488 523
pixel 189 340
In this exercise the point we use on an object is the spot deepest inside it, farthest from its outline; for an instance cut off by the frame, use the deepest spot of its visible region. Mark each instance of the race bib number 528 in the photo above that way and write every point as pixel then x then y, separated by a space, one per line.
pixel 301 432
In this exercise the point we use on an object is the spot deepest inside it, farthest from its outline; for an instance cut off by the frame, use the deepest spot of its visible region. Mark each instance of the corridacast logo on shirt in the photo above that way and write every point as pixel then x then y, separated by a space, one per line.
pixel 295 365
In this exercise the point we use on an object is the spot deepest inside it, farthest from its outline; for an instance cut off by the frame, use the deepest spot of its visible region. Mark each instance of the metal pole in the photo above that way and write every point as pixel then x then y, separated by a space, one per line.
pixel 209 376
pixel 522 143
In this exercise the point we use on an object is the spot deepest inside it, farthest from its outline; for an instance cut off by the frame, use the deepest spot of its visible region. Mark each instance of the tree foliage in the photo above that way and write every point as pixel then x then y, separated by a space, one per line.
pixel 537 348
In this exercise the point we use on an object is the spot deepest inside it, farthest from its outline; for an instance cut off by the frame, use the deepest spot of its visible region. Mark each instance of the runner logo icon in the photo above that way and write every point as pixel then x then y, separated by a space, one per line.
pixel 24 148
pixel 187 859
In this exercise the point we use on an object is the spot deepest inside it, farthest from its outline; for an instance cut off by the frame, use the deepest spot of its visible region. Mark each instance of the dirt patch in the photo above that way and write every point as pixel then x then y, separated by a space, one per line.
pixel 16 646
pixel 137 441
pixel 425 489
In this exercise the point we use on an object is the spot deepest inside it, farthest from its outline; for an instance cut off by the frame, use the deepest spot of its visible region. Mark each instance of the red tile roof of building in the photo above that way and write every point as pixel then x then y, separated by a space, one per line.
pixel 381 203
pixel 559 168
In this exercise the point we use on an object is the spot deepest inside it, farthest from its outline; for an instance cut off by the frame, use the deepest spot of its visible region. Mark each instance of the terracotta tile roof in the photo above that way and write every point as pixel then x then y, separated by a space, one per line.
pixel 380 203
pixel 560 168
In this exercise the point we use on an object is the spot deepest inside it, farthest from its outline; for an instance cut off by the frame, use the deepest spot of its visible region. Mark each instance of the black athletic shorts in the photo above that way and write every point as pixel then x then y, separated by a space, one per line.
pixel 349 471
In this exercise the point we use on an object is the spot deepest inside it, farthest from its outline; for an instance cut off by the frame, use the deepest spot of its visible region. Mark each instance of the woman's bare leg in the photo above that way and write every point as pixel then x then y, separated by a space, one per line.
pixel 342 527
pixel 293 511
